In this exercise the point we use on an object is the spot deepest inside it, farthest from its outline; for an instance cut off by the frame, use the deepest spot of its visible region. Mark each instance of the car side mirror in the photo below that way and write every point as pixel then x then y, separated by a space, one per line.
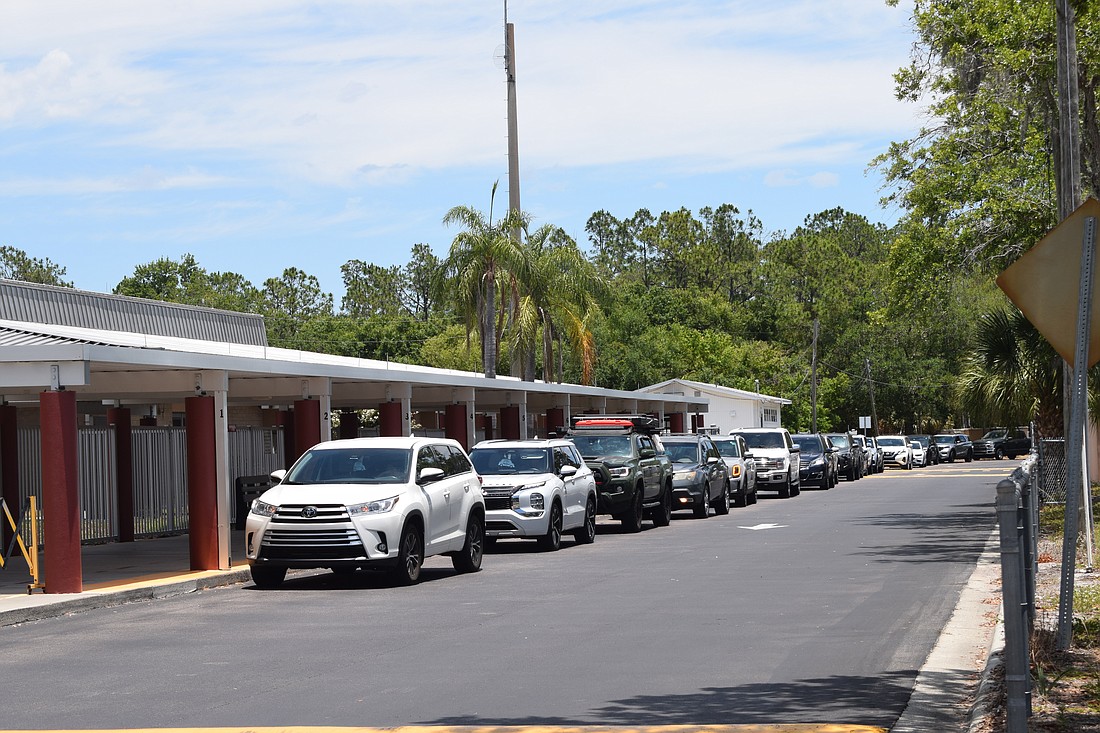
pixel 647 453
pixel 568 471
pixel 747 455
pixel 796 449
pixel 277 476
pixel 429 475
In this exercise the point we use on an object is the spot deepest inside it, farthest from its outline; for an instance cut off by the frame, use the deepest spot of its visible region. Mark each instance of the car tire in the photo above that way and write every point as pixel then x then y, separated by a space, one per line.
pixel 998 454
pixel 753 496
pixel 662 515
pixel 267 576
pixel 632 517
pixel 797 488
pixel 741 496
pixel 410 556
pixel 551 541
pixel 785 489
pixel 723 506
pixel 951 457
pixel 586 533
pixel 468 559
pixel 969 456
pixel 851 475
pixel 701 510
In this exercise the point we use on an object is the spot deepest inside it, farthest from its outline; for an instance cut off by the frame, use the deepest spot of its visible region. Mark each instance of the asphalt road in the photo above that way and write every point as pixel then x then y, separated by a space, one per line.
pixel 822 612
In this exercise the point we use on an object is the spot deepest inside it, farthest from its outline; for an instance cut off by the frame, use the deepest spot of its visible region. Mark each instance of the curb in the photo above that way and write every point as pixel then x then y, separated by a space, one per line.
pixel 102 599
pixel 988 696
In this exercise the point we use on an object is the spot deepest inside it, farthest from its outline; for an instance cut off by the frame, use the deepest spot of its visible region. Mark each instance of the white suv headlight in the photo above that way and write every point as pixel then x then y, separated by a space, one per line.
pixel 373 507
pixel 263 509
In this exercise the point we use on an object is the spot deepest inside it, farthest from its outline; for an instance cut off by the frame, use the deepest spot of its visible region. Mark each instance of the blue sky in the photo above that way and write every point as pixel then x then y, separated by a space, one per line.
pixel 264 134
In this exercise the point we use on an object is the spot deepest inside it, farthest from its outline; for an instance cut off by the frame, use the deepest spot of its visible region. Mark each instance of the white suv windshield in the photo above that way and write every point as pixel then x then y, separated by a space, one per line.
pixel 891 441
pixel 764 440
pixel 488 461
pixel 351 466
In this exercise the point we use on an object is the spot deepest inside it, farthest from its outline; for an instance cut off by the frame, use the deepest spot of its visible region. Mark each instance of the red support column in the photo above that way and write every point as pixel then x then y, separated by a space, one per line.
pixel 509 422
pixel 9 468
pixel 289 453
pixel 202 483
pixel 389 419
pixel 119 419
pixel 676 422
pixel 455 425
pixel 349 424
pixel 307 425
pixel 555 421
pixel 60 493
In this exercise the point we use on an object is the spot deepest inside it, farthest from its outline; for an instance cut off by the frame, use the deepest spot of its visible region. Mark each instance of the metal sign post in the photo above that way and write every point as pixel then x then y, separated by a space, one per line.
pixel 1075 440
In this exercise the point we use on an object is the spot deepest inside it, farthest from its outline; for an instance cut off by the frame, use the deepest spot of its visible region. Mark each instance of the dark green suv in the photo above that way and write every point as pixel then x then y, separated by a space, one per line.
pixel 633 474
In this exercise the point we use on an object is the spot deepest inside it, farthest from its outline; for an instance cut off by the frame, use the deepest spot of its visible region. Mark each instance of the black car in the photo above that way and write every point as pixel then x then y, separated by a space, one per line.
pixel 931 455
pixel 819 462
pixel 700 477
pixel 847 460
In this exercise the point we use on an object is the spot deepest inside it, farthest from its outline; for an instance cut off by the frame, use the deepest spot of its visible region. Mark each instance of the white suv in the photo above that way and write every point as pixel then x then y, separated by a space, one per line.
pixel 537 489
pixel 369 502
pixel 777 459
pixel 896 451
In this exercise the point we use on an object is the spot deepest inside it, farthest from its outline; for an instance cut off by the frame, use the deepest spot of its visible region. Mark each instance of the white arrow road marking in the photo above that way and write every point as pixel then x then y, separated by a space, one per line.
pixel 764 526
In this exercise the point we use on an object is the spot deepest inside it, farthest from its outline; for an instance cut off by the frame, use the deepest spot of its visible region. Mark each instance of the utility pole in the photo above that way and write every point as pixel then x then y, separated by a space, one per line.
pixel 871 387
pixel 813 383
pixel 513 116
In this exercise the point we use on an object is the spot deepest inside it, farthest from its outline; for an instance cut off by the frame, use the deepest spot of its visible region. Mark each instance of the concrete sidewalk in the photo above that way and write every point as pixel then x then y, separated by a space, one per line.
pixel 116 573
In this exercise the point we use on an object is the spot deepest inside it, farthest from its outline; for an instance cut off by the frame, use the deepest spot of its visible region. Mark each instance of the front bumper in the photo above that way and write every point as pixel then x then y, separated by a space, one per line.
pixel 336 540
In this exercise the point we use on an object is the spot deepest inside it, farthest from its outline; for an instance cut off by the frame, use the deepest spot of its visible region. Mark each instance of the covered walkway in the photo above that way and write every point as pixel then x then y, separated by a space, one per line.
pixel 70 358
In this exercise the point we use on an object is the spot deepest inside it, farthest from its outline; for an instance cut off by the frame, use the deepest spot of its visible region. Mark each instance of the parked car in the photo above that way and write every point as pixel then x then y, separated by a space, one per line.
pixel 633 474
pixel 700 478
pixel 874 453
pixel 817 460
pixel 369 503
pixel 931 455
pixel 920 453
pixel 954 445
pixel 847 461
pixel 896 451
pixel 859 444
pixel 741 466
pixel 537 489
pixel 776 457
pixel 1001 442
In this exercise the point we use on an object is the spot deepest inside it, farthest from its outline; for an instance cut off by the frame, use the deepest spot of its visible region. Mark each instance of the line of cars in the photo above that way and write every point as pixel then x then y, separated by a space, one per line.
pixel 389 503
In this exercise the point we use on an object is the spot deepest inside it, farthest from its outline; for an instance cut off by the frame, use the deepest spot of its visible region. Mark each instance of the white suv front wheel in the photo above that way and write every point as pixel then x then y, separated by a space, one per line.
pixel 468 559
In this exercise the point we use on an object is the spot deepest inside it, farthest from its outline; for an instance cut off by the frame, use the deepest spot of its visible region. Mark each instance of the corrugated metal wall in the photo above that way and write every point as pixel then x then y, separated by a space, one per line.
pixel 36 303
pixel 160 475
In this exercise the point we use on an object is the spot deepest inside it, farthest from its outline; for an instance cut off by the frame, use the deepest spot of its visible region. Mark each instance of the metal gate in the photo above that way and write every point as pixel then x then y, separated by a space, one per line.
pixel 159 480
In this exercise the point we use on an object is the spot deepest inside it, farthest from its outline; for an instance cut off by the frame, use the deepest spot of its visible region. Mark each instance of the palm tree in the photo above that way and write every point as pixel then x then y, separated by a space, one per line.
pixel 559 292
pixel 1012 374
pixel 484 257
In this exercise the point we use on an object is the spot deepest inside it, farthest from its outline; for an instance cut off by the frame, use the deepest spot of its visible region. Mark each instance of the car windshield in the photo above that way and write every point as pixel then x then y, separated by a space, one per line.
pixel 992 434
pixel 728 448
pixel 808 445
pixel 922 439
pixel 682 452
pixel 840 441
pixel 492 460
pixel 602 445
pixel 944 439
pixel 763 440
pixel 351 466
pixel 891 441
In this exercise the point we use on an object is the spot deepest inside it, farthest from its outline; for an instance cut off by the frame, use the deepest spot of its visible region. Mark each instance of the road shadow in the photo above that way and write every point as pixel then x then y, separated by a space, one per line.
pixel 838 699
pixel 956 537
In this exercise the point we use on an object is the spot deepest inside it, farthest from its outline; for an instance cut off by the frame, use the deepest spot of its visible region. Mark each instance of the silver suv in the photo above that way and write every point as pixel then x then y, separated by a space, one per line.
pixel 369 502
pixel 536 489
pixel 777 459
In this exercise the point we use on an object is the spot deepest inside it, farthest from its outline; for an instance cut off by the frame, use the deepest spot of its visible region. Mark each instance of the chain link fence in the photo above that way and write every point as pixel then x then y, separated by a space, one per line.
pixel 1052 470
